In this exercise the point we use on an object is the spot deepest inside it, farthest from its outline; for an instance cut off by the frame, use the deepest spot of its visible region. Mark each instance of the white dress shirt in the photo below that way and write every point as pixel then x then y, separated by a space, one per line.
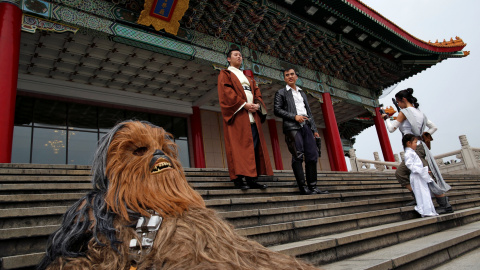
pixel 297 97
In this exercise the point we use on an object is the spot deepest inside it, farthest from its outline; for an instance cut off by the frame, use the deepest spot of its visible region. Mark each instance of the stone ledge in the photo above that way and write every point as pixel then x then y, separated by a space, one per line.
pixel 310 245
pixel 27 232
pixel 25 260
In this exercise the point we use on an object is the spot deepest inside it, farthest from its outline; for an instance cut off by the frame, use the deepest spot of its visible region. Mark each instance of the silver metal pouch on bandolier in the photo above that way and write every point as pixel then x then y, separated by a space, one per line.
pixel 146 229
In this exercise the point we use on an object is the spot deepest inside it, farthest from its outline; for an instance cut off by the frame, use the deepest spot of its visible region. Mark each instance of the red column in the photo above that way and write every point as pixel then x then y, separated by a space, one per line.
pixel 277 155
pixel 333 137
pixel 197 137
pixel 10 25
pixel 329 151
pixel 383 137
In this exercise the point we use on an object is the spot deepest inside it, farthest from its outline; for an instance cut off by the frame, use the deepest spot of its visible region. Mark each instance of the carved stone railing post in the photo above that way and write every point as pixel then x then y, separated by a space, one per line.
pixel 402 155
pixel 397 159
pixel 353 160
pixel 377 158
pixel 467 154
pixel 440 162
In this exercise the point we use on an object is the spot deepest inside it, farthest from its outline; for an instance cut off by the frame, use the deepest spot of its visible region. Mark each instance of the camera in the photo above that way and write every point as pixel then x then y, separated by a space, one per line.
pixel 383 112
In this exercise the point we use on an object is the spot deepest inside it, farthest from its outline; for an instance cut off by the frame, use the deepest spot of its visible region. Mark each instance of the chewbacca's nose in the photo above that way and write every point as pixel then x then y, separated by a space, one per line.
pixel 158 153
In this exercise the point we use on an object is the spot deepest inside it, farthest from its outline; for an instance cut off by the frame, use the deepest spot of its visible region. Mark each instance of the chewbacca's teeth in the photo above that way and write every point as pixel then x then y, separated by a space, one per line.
pixel 161 166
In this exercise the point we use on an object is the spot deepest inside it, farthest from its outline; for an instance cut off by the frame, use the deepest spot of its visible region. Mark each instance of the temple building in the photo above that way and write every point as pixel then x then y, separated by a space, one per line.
pixel 71 69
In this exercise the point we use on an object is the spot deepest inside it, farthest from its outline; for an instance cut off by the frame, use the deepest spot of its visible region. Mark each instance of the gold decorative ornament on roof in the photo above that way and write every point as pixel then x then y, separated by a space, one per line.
pixel 452 43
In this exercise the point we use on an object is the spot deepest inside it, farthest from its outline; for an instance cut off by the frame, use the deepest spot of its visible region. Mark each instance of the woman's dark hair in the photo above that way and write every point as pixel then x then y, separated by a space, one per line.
pixel 407 138
pixel 407 94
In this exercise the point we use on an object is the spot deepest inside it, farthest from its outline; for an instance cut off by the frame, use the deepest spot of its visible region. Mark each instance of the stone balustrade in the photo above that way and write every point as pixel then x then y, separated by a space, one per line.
pixel 464 160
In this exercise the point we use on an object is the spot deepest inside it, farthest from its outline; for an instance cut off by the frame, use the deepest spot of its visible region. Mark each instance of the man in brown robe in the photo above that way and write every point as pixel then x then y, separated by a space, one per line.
pixel 243 112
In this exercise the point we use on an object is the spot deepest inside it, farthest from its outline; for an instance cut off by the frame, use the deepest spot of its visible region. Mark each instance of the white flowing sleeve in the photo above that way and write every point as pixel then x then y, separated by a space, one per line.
pixel 431 127
pixel 241 107
pixel 392 125
pixel 414 164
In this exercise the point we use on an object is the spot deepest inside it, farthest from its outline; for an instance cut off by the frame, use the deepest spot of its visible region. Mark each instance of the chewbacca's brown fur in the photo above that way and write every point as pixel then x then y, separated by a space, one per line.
pixel 190 237
pixel 132 185
pixel 198 240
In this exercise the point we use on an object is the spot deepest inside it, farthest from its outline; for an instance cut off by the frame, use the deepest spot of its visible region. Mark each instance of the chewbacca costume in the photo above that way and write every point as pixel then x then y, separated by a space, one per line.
pixel 136 176
pixel 237 130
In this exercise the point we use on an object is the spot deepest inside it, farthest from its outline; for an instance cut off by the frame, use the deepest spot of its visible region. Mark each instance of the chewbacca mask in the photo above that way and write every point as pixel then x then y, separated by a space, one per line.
pixel 142 214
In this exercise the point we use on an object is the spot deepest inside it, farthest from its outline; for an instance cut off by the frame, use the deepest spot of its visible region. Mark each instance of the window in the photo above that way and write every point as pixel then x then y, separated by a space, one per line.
pixel 57 132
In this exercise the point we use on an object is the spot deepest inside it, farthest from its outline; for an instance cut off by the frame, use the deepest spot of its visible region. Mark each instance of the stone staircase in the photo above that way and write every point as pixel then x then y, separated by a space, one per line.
pixel 361 224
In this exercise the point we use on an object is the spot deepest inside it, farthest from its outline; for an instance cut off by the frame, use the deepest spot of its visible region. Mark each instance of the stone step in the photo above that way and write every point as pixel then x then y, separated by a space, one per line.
pixel 26 240
pixel 253 212
pixel 344 245
pixel 205 171
pixel 8 171
pixel 223 190
pixel 463 261
pixel 297 230
pixel 260 217
pixel 30 217
pixel 43 166
pixel 44 178
pixel 348 192
pixel 218 183
pixel 45 186
pixel 419 253
pixel 236 203
pixel 238 218
pixel 234 200
pixel 38 200
pixel 33 197
pixel 13 241
pixel 24 261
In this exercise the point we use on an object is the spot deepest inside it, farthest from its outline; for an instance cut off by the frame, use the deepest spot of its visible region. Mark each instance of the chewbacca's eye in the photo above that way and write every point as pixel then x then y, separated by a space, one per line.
pixel 140 151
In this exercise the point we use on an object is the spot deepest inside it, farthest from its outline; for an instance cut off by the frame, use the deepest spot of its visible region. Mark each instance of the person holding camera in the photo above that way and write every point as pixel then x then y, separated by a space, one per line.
pixel 411 120
pixel 300 131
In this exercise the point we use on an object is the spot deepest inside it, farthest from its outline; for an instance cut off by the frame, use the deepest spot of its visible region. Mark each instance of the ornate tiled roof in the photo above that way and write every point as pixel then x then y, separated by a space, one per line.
pixel 344 39
pixel 338 46
pixel 445 46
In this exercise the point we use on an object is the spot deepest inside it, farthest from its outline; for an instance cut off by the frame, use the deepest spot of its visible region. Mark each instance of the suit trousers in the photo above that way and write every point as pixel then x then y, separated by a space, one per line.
pixel 301 144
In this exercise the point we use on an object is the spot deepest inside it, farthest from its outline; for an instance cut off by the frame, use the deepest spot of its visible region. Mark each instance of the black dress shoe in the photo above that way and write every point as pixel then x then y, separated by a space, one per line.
pixel 305 191
pixel 315 190
pixel 240 184
pixel 254 184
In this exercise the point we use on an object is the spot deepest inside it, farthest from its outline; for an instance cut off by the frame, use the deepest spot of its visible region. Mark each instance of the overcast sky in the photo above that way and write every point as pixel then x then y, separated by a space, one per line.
pixel 448 92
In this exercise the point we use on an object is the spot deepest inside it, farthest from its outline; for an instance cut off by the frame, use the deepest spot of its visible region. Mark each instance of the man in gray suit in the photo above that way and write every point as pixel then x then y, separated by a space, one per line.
pixel 291 105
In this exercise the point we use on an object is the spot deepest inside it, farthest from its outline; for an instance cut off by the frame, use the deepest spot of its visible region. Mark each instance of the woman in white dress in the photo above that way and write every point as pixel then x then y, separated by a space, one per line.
pixel 411 120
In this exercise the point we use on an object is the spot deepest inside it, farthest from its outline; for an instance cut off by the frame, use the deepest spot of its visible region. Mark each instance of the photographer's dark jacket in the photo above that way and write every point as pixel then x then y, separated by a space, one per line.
pixel 284 107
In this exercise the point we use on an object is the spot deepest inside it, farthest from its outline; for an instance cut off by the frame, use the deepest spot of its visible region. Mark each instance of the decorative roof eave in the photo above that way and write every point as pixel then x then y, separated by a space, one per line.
pixel 459 54
pixel 425 63
pixel 438 47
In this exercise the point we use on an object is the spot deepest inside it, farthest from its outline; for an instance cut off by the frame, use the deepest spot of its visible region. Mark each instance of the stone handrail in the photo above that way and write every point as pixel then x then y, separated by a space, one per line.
pixel 469 160
pixel 448 154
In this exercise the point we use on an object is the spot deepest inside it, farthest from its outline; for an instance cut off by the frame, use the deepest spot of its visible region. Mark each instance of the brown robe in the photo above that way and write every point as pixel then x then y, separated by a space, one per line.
pixel 237 130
